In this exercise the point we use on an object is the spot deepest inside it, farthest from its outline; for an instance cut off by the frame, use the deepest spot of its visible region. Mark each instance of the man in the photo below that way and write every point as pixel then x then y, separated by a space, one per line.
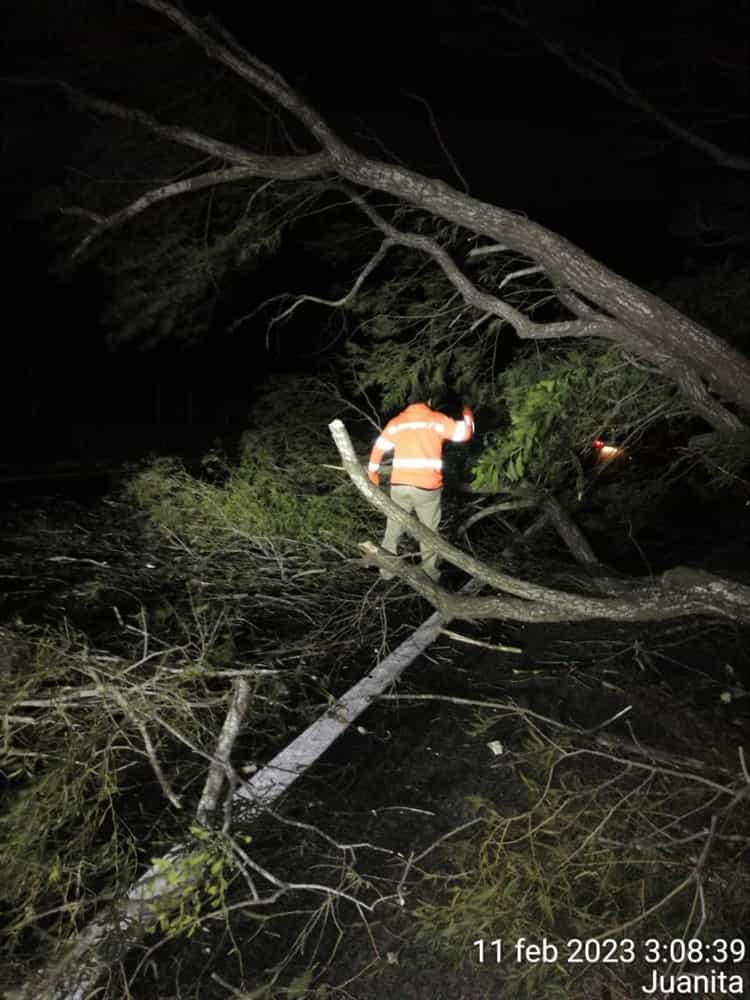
pixel 416 439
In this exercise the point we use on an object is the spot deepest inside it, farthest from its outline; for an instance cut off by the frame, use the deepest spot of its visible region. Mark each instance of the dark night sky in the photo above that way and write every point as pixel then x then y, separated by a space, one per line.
pixel 526 132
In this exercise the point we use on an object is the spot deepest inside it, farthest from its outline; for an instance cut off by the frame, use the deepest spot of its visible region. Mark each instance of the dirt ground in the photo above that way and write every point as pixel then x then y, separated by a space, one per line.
pixel 672 676
pixel 405 777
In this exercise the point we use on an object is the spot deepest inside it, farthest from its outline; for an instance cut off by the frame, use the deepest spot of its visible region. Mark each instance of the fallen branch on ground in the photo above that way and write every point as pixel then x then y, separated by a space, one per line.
pixel 678 594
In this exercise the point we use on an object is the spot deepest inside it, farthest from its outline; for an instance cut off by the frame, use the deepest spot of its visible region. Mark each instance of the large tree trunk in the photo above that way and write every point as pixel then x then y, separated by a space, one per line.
pixel 646 325
pixel 707 370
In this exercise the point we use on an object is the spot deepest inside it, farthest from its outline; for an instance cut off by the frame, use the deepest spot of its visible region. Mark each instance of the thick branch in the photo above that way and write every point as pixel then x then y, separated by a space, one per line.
pixel 703 403
pixel 713 596
pixel 246 164
pixel 174 133
pixel 249 68
pixel 570 533
pixel 705 594
pixel 637 319
pixel 153 197
pixel 594 325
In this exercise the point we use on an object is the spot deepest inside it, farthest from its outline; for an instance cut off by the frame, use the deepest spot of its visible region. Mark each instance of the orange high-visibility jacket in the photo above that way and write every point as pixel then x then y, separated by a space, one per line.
pixel 416 438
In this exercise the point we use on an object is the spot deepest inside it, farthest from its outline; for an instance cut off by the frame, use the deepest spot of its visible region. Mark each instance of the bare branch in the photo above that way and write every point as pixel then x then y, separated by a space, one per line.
pixel 150 749
pixel 350 295
pixel 153 197
pixel 496 508
pixel 570 533
pixel 246 163
pixel 614 83
pixel 446 151
pixel 227 737
pixel 477 642
pixel 486 250
pixel 250 69
pixel 520 274
pixel 84 213
pixel 174 133
pixel 523 326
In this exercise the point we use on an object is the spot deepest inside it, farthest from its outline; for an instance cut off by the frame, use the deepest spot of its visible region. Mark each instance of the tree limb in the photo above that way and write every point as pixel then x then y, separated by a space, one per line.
pixel 174 133
pixel 220 764
pixel 349 296
pixel 595 324
pixel 226 175
pixel 571 534
pixel 529 602
pixel 635 318
pixel 446 151
pixel 496 508
pixel 246 164
pixel 612 80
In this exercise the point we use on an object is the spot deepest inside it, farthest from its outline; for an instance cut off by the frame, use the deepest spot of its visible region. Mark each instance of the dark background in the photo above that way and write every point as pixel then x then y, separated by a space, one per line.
pixel 526 132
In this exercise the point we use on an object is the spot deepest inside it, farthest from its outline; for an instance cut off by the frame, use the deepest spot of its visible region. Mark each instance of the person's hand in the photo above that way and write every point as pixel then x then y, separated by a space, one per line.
pixel 468 412
pixel 374 478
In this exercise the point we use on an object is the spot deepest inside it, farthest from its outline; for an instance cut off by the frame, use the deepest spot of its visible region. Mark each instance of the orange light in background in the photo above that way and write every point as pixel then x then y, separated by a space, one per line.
pixel 606 452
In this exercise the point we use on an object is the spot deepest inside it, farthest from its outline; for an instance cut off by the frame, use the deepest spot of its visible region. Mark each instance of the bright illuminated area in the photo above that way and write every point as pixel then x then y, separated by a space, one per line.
pixel 609 451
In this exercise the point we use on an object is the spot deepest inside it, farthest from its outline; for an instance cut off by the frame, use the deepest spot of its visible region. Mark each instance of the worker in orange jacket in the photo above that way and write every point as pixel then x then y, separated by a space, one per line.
pixel 416 439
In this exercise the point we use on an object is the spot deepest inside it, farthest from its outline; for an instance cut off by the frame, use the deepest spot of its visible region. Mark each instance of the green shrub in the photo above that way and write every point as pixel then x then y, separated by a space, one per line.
pixel 290 504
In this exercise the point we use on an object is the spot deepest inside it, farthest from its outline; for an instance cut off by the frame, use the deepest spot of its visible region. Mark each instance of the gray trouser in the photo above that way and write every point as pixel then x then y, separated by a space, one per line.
pixel 426 504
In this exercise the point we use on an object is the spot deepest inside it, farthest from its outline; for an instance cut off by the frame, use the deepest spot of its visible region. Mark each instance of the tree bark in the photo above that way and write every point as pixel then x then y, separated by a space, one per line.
pixel 707 370
pixel 577 543
pixel 218 772
pixel 109 936
pixel 678 594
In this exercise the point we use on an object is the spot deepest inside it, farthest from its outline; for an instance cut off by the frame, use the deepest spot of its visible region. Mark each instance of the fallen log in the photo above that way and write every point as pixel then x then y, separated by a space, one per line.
pixel 109 936
pixel 673 596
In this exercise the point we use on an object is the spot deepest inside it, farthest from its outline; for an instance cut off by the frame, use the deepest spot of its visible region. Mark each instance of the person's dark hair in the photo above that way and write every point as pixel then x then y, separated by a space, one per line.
pixel 419 394
pixel 434 397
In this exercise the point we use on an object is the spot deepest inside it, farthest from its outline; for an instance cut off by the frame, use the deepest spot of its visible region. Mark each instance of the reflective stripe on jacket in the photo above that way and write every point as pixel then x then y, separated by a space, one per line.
pixel 416 438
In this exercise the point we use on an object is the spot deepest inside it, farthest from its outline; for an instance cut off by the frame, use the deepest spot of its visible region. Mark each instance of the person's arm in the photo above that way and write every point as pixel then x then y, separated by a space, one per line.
pixel 382 445
pixel 459 431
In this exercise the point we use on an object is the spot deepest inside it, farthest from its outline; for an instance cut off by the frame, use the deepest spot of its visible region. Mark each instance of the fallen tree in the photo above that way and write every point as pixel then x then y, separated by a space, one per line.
pixel 593 301
pixel 175 712
pixel 159 891
pixel 679 592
